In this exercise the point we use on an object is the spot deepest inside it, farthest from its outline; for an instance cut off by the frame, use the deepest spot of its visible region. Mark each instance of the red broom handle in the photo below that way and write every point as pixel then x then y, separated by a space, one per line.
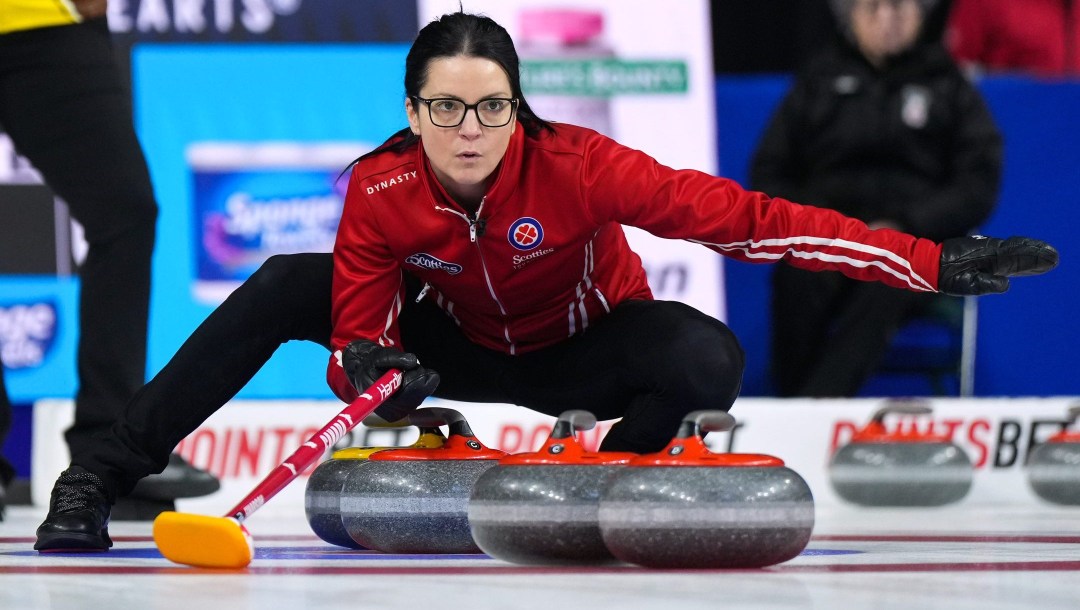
pixel 310 452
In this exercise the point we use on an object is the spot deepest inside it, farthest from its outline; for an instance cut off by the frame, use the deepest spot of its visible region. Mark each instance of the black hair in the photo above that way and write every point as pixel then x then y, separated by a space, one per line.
pixel 469 35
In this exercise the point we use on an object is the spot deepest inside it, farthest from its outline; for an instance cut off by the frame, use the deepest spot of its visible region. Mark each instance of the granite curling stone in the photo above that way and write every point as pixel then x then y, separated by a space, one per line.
pixel 687 507
pixel 322 496
pixel 903 468
pixel 416 500
pixel 1054 467
pixel 542 508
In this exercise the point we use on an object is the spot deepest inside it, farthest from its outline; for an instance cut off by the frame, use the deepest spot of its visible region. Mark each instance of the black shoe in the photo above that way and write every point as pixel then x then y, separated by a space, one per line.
pixel 179 480
pixel 78 518
pixel 7 475
pixel 133 508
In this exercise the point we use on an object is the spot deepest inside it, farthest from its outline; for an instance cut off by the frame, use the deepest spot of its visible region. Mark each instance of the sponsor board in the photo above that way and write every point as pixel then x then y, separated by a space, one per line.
pixel 245 143
pixel 245 440
pixel 996 433
pixel 38 296
pixel 27 333
pixel 38 332
pixel 261 20
pixel 252 200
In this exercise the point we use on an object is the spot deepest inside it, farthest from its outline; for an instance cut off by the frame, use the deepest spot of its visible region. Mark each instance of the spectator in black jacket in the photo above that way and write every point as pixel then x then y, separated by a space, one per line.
pixel 885 128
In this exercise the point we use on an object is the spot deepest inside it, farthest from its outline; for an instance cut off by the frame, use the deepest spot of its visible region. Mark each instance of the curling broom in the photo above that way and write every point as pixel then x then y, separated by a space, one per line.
pixel 224 542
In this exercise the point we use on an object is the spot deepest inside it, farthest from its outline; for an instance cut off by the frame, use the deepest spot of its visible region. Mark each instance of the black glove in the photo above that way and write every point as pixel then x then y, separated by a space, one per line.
pixel 983 265
pixel 365 361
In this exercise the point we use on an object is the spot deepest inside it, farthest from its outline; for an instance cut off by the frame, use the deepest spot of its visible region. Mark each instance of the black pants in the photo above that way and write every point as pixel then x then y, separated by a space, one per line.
pixel 830 332
pixel 649 362
pixel 65 107
pixel 7 471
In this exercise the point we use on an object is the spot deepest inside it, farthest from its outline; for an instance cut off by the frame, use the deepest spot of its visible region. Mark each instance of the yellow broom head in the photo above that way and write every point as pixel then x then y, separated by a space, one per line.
pixel 203 541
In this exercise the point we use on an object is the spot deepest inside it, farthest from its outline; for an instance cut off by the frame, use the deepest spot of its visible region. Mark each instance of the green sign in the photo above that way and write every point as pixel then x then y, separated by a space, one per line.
pixel 603 77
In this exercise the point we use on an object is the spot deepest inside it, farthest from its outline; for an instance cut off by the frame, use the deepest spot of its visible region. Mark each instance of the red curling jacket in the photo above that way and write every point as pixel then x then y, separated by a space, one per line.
pixel 545 255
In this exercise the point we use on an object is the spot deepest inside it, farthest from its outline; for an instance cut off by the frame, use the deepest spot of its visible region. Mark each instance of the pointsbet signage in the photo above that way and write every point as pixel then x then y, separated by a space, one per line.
pixel 244 441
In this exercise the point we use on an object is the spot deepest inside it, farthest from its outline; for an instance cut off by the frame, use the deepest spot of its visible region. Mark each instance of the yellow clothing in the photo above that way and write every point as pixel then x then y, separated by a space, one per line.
pixel 18 15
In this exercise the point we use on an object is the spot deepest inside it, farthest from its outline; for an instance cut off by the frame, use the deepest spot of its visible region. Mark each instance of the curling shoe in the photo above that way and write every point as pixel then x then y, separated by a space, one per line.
pixel 179 480
pixel 78 518
pixel 157 493
pixel 7 475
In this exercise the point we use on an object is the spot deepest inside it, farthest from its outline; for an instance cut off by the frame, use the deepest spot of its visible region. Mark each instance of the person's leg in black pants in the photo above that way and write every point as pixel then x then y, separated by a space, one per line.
pixel 648 362
pixel 865 325
pixel 830 332
pixel 67 111
pixel 7 472
pixel 804 304
pixel 287 299
pixel 64 105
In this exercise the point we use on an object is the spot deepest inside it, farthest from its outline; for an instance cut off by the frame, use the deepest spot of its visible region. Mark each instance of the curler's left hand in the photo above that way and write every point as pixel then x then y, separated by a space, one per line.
pixel 983 265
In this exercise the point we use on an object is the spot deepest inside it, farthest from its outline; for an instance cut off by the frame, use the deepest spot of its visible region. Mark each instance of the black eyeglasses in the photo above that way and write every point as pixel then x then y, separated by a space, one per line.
pixel 449 112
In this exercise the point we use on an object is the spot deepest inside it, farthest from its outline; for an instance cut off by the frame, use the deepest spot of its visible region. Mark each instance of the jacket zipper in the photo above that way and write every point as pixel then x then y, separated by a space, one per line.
pixel 423 292
pixel 603 300
pixel 472 222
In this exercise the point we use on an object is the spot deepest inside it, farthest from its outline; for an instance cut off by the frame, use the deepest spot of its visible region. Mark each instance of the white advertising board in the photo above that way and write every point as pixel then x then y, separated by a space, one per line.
pixel 245 440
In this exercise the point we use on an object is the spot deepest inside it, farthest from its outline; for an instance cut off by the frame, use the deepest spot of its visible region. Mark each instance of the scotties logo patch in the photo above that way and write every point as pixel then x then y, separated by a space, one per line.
pixel 427 261
pixel 525 233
